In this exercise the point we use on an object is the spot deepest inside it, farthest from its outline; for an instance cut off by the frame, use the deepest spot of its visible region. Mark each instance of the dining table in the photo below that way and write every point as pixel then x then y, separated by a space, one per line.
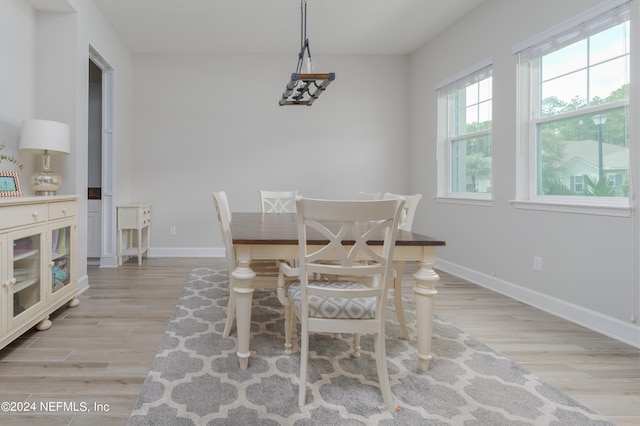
pixel 274 236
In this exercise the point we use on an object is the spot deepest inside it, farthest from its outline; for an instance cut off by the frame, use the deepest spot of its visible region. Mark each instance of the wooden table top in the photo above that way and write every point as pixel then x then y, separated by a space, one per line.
pixel 281 228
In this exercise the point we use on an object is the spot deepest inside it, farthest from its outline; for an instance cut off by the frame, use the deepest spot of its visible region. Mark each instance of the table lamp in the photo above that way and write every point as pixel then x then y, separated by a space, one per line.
pixel 45 137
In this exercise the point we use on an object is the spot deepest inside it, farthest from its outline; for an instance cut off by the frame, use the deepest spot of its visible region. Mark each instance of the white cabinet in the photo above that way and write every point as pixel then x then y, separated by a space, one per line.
pixel 37 262
pixel 134 226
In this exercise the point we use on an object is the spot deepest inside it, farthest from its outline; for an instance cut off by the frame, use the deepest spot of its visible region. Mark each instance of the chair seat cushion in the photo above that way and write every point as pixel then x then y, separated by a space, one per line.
pixel 334 307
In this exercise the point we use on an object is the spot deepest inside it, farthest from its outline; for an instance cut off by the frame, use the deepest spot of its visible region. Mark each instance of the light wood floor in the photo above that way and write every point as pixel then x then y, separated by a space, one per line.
pixel 100 351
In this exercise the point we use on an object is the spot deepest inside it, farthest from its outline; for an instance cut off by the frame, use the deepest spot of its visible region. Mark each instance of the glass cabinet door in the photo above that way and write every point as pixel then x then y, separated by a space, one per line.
pixel 27 267
pixel 61 258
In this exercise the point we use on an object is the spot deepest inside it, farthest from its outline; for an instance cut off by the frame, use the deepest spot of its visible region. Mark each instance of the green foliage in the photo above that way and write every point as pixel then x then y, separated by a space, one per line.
pixel 478 166
pixel 582 127
pixel 593 187
pixel 624 188
pixel 554 186
pixel 8 158
pixel 477 159
pixel 598 187
pixel 476 127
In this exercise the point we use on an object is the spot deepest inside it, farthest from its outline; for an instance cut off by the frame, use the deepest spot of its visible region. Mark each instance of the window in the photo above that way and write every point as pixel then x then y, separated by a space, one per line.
pixel 577 184
pixel 616 181
pixel 575 107
pixel 464 123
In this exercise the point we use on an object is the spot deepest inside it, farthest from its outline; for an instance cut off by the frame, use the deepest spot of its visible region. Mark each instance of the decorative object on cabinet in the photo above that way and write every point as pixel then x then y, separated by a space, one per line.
pixel 304 88
pixel 38 262
pixel 133 219
pixel 46 137
pixel 9 184
pixel 9 158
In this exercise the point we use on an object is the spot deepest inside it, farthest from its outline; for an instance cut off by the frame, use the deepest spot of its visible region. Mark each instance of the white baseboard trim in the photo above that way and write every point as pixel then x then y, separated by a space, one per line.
pixel 83 284
pixel 109 262
pixel 186 252
pixel 612 327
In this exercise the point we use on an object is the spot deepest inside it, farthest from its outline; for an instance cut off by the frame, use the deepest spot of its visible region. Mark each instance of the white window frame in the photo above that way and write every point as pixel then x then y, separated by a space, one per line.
pixel 526 188
pixel 444 141
pixel 577 180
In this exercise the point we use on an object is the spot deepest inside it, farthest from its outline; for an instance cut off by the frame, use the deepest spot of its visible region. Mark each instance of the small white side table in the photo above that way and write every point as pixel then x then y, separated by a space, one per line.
pixel 133 220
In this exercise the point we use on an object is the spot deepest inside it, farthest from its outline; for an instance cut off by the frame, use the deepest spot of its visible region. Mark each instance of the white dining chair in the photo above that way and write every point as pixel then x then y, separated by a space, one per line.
pixel 278 201
pixel 266 271
pixel 356 303
pixel 405 224
pixel 369 195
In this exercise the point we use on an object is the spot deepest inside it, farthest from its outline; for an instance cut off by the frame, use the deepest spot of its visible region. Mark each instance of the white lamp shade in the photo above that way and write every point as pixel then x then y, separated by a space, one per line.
pixel 39 135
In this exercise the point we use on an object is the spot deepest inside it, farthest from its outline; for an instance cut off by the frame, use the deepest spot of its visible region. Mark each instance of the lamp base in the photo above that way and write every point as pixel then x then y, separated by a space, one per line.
pixel 46 182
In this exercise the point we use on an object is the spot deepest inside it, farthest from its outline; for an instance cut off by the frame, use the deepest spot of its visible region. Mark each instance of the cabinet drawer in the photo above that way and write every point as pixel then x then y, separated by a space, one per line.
pixel 146 216
pixel 13 216
pixel 134 217
pixel 62 210
pixel 128 218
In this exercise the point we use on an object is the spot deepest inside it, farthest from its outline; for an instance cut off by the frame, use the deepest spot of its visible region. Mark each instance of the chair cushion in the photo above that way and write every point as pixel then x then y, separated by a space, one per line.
pixel 334 307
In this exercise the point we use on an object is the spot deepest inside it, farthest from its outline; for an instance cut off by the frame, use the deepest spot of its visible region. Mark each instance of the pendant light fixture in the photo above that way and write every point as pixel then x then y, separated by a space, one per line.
pixel 304 87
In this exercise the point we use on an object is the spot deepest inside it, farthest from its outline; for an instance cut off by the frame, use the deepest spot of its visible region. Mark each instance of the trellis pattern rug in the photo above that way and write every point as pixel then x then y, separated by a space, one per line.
pixel 195 378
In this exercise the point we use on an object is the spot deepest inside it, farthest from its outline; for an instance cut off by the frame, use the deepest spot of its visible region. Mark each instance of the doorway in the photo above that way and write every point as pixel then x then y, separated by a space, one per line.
pixel 101 210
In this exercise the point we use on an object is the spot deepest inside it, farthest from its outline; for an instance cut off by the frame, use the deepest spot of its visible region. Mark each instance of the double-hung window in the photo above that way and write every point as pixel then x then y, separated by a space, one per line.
pixel 574 102
pixel 464 134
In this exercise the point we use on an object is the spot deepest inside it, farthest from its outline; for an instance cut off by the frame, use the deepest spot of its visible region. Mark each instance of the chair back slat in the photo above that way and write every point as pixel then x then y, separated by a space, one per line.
pixel 278 201
pixel 409 210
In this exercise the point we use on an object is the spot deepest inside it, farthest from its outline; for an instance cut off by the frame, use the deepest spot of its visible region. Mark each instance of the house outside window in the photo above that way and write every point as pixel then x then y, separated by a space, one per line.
pixel 575 88
pixel 464 129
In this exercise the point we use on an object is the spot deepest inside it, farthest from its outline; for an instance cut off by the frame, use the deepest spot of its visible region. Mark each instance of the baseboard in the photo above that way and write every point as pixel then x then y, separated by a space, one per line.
pixel 109 262
pixel 612 327
pixel 83 284
pixel 186 252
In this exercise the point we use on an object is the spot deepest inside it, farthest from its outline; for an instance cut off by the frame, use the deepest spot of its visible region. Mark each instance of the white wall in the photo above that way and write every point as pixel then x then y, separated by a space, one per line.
pixel 588 260
pixel 17 81
pixel 204 123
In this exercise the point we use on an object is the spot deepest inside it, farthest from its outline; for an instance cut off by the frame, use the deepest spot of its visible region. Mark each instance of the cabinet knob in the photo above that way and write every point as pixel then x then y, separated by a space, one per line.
pixel 35 214
pixel 64 211
pixel 10 282
pixel 51 263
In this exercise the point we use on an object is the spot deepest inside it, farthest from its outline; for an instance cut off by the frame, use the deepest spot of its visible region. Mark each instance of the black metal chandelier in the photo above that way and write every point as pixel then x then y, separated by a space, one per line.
pixel 305 88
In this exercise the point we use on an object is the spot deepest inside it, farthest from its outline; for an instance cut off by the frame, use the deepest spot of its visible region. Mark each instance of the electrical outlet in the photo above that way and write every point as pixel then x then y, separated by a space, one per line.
pixel 172 230
pixel 537 263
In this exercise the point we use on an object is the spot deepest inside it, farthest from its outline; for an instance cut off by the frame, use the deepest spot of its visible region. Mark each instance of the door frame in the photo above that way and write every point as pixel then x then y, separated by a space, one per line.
pixel 108 256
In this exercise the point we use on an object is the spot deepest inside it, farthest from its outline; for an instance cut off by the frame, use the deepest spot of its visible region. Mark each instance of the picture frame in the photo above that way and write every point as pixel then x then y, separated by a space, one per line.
pixel 9 184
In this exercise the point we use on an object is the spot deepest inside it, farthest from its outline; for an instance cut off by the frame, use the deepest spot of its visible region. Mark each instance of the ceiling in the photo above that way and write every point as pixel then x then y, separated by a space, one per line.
pixel 336 27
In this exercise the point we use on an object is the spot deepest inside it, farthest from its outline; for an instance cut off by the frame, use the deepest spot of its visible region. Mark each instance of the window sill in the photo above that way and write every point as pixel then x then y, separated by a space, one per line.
pixel 471 201
pixel 577 208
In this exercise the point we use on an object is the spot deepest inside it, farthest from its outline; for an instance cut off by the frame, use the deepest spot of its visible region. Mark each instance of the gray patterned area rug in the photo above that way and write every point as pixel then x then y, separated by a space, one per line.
pixel 195 378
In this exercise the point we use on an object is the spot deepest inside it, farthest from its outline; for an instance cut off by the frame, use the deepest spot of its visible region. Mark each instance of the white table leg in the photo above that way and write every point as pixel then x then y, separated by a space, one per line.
pixel 425 289
pixel 243 274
